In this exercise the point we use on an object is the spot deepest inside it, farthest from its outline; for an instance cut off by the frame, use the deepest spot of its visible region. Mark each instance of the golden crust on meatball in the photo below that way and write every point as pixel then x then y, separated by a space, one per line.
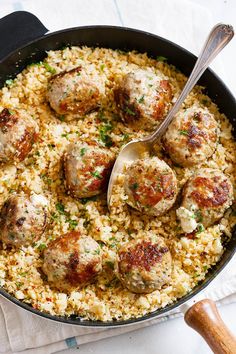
pixel 75 93
pixel 192 136
pixel 23 220
pixel 87 169
pixel 143 98
pixel 18 132
pixel 144 265
pixel 151 186
pixel 206 197
pixel 72 261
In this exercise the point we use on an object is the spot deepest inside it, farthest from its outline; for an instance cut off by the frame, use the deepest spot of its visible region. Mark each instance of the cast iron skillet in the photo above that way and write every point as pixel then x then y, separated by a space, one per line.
pixel 23 41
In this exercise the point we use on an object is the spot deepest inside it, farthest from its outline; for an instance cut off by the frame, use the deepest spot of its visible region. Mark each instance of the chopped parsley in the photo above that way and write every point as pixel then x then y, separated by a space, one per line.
pixel 102 67
pixel 104 137
pixel 86 200
pixel 72 223
pixel 161 58
pixel 51 146
pixel 134 186
pixel 9 82
pixel 49 68
pixel 198 215
pixel 60 208
pixel 204 101
pixel 46 179
pixel 61 118
pixel 82 152
pixel 125 137
pixel 200 228
pixel 96 174
pixel 39 63
pixel 41 246
pixel 141 99
pixel 97 251
pixel 110 264
pixel 183 132
pixel 101 116
pixel 129 111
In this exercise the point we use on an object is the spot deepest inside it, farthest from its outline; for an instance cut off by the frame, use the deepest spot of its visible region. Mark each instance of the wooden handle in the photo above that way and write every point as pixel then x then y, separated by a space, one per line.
pixel 205 319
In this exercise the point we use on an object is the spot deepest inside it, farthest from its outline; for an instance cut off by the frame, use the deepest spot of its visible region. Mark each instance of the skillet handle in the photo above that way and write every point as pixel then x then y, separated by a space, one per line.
pixel 205 319
pixel 17 29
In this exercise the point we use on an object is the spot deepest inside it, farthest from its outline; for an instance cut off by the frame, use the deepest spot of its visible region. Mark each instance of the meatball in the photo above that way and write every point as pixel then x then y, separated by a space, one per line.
pixel 144 265
pixel 151 186
pixel 72 261
pixel 192 136
pixel 87 169
pixel 75 92
pixel 23 220
pixel 206 196
pixel 18 132
pixel 143 98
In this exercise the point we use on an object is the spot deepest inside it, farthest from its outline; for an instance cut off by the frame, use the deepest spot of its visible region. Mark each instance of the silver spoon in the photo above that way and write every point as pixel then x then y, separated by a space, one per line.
pixel 218 38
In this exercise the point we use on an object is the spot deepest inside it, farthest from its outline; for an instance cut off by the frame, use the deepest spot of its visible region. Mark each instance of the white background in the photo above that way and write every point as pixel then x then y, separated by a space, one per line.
pixel 172 337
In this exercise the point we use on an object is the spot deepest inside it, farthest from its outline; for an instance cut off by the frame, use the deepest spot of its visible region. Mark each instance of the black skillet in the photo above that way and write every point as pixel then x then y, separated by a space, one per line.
pixel 23 41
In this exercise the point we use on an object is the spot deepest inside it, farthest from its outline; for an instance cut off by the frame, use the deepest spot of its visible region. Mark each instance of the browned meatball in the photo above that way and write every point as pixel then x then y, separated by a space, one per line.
pixel 72 261
pixel 206 196
pixel 75 92
pixel 144 265
pixel 143 98
pixel 87 169
pixel 192 136
pixel 151 186
pixel 18 132
pixel 22 220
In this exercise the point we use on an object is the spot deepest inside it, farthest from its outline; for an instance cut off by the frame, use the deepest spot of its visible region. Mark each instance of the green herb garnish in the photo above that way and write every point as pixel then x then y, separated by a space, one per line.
pixel 141 100
pixel 49 68
pixel 198 215
pixel 134 186
pixel 42 246
pixel 72 223
pixel 161 58
pixel 61 118
pixel 110 265
pixel 104 137
pixel 96 174
pixel 9 82
pixel 89 199
pixel 82 152
pixel 183 132
pixel 200 228
pixel 60 208
pixel 129 111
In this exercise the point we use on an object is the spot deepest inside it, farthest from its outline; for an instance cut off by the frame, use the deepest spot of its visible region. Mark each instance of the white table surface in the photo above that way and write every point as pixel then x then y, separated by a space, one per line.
pixel 174 336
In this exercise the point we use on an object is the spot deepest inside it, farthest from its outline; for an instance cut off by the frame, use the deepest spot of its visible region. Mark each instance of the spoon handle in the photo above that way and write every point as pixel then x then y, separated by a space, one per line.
pixel 218 38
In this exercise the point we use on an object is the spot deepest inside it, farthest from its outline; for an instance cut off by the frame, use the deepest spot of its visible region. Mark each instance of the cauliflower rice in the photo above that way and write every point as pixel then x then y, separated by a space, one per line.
pixel 41 173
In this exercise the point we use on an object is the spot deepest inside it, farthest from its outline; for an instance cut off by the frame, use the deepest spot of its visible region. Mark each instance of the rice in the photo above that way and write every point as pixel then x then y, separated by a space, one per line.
pixel 41 173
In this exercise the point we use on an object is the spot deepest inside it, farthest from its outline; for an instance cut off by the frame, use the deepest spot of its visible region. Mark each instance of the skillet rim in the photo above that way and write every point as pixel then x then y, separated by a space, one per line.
pixel 226 256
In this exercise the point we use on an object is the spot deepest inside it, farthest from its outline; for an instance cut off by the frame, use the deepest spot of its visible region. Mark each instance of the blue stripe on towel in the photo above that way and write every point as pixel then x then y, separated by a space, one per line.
pixel 17 6
pixel 71 342
pixel 118 13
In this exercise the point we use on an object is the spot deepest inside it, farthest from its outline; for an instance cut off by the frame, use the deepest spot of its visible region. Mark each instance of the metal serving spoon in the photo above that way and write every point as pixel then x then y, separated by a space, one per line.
pixel 218 38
